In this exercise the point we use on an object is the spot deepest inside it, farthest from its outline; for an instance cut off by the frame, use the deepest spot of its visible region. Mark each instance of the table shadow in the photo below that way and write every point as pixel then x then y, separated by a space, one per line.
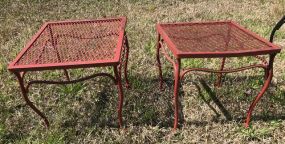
pixel 226 112
pixel 214 98
pixel 154 107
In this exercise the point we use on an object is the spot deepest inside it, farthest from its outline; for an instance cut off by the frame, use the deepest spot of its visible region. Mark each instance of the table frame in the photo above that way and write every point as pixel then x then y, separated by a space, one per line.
pixel 179 74
pixel 120 62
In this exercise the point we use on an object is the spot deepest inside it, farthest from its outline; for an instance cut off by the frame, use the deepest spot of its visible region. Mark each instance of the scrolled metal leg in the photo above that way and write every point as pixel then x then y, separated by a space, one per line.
pixel 126 63
pixel 264 88
pixel 219 79
pixel 24 93
pixel 158 46
pixel 120 93
pixel 176 91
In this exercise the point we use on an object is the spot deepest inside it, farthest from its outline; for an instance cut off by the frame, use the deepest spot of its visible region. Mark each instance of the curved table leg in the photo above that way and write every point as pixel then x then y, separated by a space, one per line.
pixel 120 93
pixel 269 75
pixel 219 80
pixel 24 93
pixel 126 63
pixel 158 46
pixel 176 91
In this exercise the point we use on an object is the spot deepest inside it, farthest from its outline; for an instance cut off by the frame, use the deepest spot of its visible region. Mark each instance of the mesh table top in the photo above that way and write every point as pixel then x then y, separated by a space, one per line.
pixel 73 44
pixel 213 39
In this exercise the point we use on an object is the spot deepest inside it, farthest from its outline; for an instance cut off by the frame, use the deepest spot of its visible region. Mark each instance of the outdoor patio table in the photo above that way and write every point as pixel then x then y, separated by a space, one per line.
pixel 216 39
pixel 75 44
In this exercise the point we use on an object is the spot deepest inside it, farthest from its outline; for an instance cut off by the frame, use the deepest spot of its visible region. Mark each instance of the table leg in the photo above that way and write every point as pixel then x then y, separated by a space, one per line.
pixel 120 93
pixel 264 88
pixel 126 63
pixel 158 46
pixel 25 95
pixel 176 91
pixel 219 79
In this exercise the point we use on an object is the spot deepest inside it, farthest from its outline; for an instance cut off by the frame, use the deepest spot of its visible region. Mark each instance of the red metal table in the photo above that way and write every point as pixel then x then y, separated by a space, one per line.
pixel 75 44
pixel 217 39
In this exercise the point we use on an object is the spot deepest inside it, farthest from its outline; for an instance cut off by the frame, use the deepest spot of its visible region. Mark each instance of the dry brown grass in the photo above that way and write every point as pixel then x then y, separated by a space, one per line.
pixel 85 112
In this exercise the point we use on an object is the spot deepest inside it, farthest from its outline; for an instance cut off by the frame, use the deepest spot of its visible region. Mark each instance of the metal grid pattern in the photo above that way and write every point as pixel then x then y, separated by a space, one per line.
pixel 76 41
pixel 212 37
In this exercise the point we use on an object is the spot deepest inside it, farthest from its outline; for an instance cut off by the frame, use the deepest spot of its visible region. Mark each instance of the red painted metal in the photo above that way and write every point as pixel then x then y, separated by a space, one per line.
pixel 69 81
pixel 176 91
pixel 218 39
pixel 223 71
pixel 29 103
pixel 207 40
pixel 75 44
pixel 263 89
pixel 219 79
pixel 121 97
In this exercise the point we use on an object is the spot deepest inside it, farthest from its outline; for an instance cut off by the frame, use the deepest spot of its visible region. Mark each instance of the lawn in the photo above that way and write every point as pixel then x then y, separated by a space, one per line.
pixel 86 112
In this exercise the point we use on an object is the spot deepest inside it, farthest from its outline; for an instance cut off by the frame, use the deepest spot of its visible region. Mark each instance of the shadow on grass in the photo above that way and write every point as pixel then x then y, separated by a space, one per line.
pixel 146 104
pixel 213 97
pixel 99 109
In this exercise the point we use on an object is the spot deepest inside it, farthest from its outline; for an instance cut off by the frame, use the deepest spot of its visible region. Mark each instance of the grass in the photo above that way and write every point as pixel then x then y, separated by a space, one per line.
pixel 86 112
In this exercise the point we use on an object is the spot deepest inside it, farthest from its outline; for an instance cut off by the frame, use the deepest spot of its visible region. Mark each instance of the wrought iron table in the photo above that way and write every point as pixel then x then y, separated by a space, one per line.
pixel 216 39
pixel 75 44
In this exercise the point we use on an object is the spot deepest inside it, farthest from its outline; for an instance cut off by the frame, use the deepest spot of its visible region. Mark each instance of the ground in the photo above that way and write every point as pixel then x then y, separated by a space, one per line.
pixel 86 112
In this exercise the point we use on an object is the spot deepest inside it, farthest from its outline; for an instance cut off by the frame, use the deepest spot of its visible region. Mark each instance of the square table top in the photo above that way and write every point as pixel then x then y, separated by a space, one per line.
pixel 73 44
pixel 213 39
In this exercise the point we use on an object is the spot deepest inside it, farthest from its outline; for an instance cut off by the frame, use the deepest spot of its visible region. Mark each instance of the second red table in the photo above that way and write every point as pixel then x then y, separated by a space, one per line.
pixel 218 39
